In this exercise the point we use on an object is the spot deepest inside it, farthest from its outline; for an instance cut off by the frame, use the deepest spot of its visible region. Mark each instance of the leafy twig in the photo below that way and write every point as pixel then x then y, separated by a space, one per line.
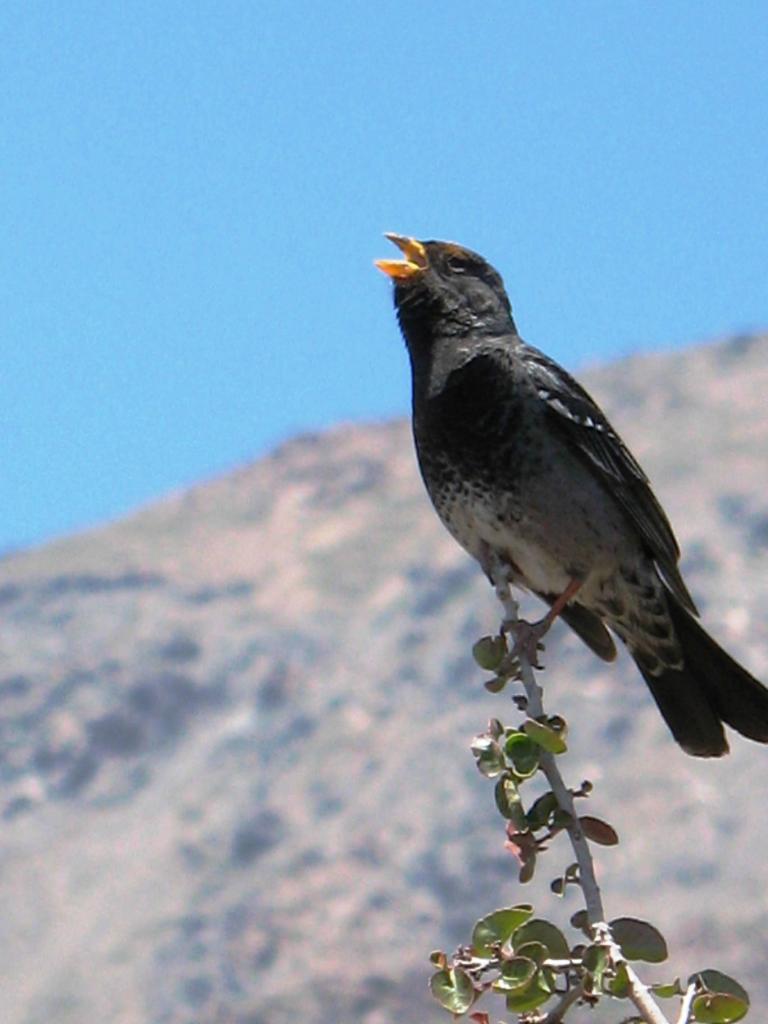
pixel 638 992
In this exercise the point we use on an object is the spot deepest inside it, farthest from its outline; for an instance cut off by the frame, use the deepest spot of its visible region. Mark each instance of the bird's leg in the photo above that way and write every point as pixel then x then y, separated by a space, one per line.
pixel 528 635
pixel 570 591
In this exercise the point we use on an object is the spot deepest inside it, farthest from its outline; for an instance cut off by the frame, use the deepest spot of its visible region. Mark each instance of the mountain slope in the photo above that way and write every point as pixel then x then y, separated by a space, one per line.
pixel 235 781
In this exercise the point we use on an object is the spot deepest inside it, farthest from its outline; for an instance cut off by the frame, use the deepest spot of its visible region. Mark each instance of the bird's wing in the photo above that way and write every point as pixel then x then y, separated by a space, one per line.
pixel 586 430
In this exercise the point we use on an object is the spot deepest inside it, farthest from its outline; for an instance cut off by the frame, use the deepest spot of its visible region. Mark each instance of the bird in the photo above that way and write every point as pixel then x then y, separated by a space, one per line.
pixel 525 471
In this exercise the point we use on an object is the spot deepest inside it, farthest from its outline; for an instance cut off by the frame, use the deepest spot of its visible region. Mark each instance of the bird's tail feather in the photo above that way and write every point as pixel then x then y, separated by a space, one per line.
pixel 710 689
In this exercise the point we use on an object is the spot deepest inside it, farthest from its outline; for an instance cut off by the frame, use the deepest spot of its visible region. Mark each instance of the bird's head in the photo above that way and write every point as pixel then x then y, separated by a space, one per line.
pixel 443 288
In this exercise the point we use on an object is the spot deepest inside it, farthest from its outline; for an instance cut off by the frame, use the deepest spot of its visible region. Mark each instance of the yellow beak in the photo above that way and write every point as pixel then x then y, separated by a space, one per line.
pixel 415 258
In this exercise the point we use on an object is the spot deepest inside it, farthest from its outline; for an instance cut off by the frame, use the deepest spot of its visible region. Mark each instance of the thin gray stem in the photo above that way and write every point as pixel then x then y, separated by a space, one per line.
pixel 638 992
pixel 556 1015
pixel 686 1006
pixel 587 879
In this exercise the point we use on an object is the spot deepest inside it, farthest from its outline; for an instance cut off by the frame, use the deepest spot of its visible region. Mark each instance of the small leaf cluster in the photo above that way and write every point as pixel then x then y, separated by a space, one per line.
pixel 528 960
pixel 718 998
pixel 511 953
pixel 513 756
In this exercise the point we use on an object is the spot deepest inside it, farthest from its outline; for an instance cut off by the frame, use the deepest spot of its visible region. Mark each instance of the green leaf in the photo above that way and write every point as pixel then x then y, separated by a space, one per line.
pixel 580 920
pixel 545 736
pixel 498 927
pixel 716 981
pixel 489 651
pixel 596 959
pixel 571 876
pixel 618 986
pixel 505 792
pixel 516 974
pixel 536 994
pixel 667 990
pixel 453 989
pixel 558 724
pixel 439 959
pixel 547 934
pixel 718 1008
pixel 509 802
pixel 724 1001
pixel 535 951
pixel 557 886
pixel 599 831
pixel 561 819
pixel 639 940
pixel 523 753
pixel 488 755
pixel 541 810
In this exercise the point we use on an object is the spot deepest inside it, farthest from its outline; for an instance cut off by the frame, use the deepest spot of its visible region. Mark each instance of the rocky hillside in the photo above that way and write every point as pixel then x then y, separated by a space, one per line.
pixel 236 787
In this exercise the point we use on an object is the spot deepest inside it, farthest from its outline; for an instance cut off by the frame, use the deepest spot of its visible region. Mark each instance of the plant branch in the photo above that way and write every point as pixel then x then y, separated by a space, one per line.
pixel 687 1004
pixel 534 693
pixel 638 992
pixel 556 1015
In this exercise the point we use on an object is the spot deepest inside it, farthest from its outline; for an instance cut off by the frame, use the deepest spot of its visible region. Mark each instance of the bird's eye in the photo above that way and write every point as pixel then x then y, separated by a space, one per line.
pixel 458 264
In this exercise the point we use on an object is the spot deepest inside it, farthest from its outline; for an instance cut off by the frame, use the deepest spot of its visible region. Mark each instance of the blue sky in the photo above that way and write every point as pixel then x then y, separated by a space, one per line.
pixel 192 194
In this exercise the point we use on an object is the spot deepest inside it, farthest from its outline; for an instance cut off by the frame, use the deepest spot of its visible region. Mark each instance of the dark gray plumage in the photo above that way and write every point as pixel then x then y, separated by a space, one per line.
pixel 521 464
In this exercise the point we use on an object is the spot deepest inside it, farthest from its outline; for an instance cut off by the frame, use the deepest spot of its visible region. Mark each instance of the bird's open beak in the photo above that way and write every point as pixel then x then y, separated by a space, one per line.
pixel 415 258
